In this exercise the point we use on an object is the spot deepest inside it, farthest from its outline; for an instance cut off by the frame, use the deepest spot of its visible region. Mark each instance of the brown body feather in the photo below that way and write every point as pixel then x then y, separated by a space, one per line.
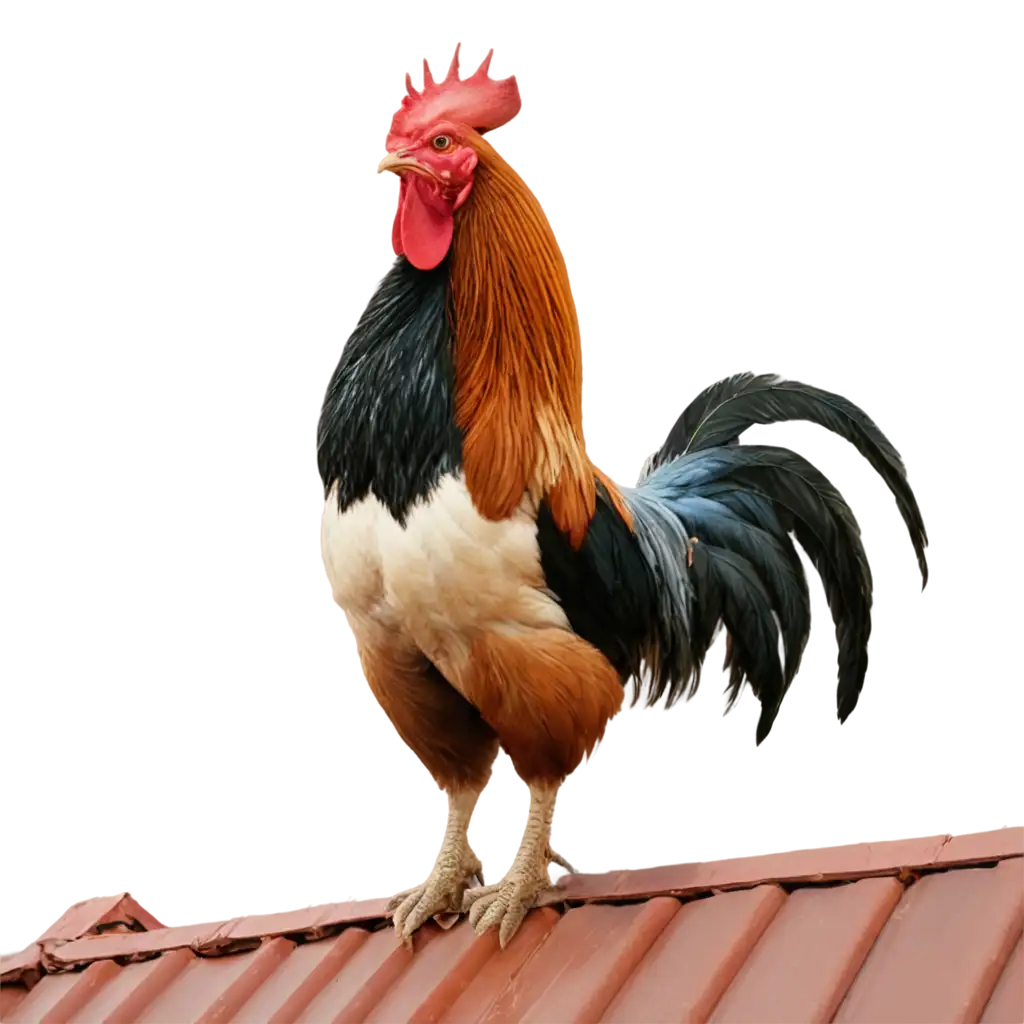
pixel 548 694
pixel 443 729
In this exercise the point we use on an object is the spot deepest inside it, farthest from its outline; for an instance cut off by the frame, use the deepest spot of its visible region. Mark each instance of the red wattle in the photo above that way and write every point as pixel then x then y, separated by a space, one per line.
pixel 423 224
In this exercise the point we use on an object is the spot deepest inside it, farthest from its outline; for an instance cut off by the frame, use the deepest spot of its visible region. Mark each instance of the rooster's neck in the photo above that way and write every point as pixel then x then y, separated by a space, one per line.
pixel 518 365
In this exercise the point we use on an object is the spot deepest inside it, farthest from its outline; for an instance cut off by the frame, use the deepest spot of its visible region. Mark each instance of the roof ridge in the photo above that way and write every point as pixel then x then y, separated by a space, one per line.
pixel 139 936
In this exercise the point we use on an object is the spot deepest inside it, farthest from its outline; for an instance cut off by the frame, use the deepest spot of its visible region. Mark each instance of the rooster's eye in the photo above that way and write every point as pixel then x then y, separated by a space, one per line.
pixel 442 141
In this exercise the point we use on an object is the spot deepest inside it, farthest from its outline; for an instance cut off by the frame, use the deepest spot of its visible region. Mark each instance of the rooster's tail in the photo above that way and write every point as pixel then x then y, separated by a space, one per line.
pixel 714 520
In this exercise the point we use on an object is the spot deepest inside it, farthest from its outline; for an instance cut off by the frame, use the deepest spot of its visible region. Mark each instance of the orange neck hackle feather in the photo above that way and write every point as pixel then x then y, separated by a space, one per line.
pixel 518 363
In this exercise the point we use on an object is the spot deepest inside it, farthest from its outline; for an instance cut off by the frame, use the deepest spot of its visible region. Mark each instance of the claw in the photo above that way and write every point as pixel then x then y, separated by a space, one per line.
pixel 439 897
pixel 505 905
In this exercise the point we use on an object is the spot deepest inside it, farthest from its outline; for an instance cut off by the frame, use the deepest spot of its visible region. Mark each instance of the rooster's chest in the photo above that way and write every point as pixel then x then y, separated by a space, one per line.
pixel 442 576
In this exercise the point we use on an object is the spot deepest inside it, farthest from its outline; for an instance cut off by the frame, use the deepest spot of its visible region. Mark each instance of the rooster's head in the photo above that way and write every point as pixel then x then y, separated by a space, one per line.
pixel 431 148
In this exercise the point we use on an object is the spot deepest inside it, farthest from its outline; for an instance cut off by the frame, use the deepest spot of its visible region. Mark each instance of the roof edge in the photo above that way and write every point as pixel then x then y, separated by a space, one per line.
pixel 133 939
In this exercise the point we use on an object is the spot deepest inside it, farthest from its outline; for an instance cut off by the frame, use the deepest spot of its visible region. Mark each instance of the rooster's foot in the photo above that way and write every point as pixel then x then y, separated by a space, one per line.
pixel 438 895
pixel 506 904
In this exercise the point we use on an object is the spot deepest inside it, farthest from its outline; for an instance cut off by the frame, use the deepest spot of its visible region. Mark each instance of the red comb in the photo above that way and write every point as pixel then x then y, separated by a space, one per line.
pixel 478 101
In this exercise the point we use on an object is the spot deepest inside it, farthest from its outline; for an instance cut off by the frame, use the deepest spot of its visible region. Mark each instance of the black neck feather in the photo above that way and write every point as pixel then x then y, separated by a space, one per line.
pixel 387 426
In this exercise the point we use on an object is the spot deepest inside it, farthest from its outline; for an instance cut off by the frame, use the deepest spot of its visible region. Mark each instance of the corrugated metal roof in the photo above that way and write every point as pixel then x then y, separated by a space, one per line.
pixel 921 930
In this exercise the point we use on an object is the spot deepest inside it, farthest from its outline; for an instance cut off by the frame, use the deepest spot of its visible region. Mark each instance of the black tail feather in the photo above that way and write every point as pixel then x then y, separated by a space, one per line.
pixel 711 545
pixel 721 413
pixel 729 588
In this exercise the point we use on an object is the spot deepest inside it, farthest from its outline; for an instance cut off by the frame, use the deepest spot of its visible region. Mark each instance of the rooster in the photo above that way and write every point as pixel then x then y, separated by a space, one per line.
pixel 503 592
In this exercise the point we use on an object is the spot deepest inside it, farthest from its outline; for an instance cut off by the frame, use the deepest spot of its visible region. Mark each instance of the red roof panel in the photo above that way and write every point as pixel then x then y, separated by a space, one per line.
pixel 118 913
pixel 923 930
pixel 943 949
pixel 685 972
pixel 199 991
pixel 588 956
pixel 809 954
pixel 501 970
pixel 44 1001
pixel 11 997
pixel 365 978
pixel 126 995
pixel 436 977
pixel 302 977
pixel 1007 1003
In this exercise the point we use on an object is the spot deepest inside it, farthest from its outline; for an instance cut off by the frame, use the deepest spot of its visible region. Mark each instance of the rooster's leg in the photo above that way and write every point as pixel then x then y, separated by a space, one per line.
pixel 457 867
pixel 548 695
pixel 505 904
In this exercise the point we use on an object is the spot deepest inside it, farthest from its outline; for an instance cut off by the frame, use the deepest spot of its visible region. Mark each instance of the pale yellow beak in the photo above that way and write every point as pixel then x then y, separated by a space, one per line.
pixel 399 163
pixel 388 163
